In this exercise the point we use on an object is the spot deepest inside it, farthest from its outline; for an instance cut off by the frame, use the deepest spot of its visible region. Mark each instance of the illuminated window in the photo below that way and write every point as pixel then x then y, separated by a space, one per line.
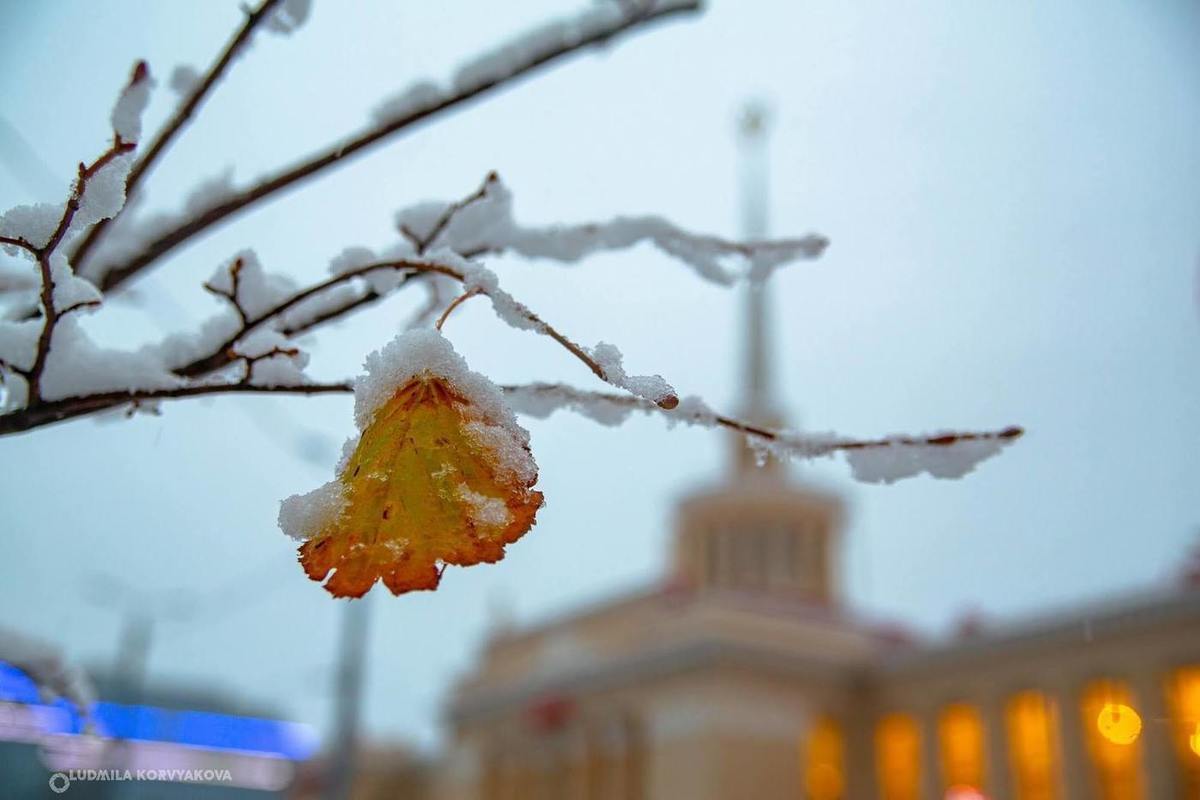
pixel 1032 747
pixel 960 737
pixel 1183 701
pixel 824 765
pixel 898 757
pixel 1111 727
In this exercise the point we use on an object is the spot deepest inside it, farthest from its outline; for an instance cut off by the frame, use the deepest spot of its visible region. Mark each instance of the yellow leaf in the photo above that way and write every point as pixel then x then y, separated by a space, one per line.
pixel 430 483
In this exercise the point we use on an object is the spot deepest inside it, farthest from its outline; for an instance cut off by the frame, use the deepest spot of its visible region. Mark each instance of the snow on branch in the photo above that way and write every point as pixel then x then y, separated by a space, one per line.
pixel 483 223
pixel 480 76
pixel 195 91
pixel 27 368
pixel 885 460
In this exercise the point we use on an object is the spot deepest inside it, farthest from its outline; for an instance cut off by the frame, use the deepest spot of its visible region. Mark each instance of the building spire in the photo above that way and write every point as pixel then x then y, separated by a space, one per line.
pixel 757 401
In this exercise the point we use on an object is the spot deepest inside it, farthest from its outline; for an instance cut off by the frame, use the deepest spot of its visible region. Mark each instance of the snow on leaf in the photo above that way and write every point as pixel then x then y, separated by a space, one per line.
pixel 441 474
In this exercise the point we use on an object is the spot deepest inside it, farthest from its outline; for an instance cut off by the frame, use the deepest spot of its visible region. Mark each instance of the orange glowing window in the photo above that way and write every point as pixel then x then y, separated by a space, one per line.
pixel 1112 727
pixel 1183 702
pixel 1031 722
pixel 898 757
pixel 960 739
pixel 824 761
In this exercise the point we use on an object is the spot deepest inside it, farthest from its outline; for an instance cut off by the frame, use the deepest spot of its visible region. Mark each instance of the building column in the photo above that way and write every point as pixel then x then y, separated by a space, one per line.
pixel 861 781
pixel 999 774
pixel 1158 757
pixel 1074 769
pixel 931 762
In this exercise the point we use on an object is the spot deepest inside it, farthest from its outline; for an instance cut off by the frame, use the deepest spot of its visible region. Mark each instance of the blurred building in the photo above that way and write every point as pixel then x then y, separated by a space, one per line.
pixel 743 675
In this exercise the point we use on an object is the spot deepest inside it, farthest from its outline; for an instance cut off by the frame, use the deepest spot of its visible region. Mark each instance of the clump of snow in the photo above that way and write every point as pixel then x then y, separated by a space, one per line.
pixel 209 193
pixel 77 366
pixel 540 400
pixel 651 387
pixel 252 288
pixel 486 511
pixel 382 281
pixel 33 223
pixel 426 352
pixel 894 462
pixel 303 516
pixel 692 411
pixel 70 290
pixel 104 194
pixel 418 97
pixel 184 79
pixel 18 341
pixel 480 279
pixel 289 17
pixel 285 367
pixel 127 112
pixel 18 348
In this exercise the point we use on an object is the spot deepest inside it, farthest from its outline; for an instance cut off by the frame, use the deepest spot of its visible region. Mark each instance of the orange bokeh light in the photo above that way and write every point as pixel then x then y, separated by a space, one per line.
pixel 1119 723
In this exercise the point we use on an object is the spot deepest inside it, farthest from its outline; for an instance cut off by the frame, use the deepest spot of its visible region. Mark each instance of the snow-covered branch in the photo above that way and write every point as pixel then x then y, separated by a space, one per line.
pixel 948 454
pixel 492 70
pixel 199 90
pixel 39 231
pixel 51 370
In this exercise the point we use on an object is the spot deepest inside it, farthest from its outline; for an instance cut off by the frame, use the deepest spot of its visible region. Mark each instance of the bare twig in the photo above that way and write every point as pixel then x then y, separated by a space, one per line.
pixel 50 412
pixel 235 281
pixel 339 151
pixel 17 241
pixel 455 303
pixel 421 243
pixel 180 118
pixel 250 361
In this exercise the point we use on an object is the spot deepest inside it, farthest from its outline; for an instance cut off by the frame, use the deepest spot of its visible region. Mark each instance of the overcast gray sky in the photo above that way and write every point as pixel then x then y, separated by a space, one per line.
pixel 1012 191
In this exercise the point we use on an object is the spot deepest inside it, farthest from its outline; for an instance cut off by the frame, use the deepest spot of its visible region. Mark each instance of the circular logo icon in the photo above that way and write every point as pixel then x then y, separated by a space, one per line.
pixel 59 783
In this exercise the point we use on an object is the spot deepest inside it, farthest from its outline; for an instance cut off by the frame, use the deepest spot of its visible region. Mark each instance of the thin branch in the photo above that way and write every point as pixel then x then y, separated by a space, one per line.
pixel 564 396
pixel 20 242
pixel 250 361
pixel 181 117
pixel 347 148
pixel 423 243
pixel 455 303
pixel 50 412
pixel 235 281
pixel 50 314
pixel 217 359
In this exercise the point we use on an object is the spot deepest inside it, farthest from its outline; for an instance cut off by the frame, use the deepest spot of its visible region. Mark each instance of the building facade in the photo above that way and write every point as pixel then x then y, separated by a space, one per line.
pixel 743 674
